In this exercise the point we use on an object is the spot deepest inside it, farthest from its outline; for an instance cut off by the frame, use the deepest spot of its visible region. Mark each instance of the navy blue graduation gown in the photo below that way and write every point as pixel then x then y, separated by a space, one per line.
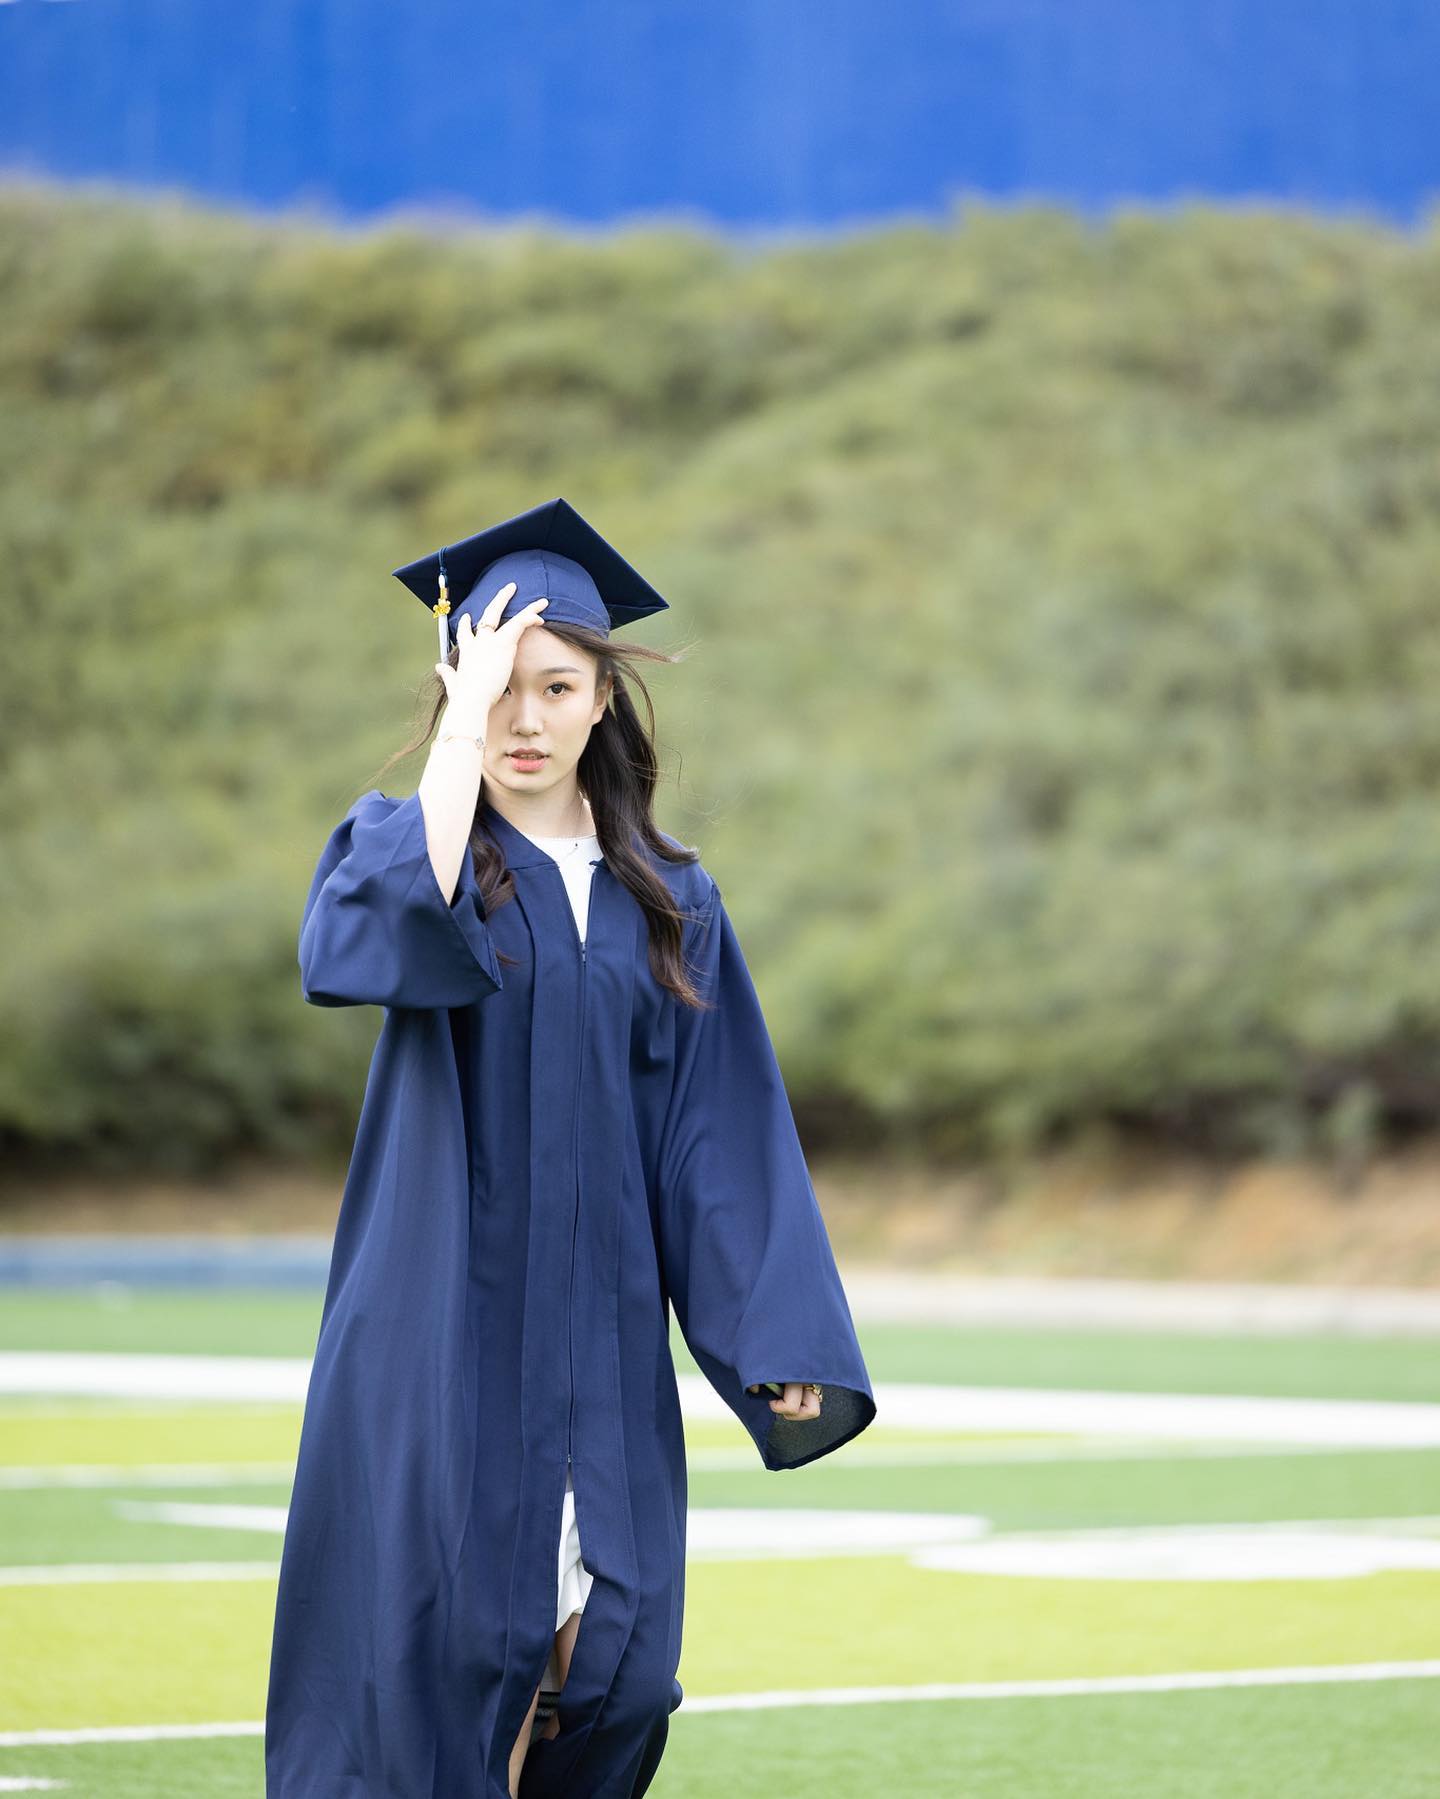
pixel 551 1152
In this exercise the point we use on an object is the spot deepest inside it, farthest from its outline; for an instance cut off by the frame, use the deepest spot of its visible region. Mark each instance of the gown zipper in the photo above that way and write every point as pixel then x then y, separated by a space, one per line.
pixel 575 1222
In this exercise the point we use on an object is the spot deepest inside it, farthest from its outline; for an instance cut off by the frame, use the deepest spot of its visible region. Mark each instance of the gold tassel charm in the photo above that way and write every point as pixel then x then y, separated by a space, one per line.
pixel 441 609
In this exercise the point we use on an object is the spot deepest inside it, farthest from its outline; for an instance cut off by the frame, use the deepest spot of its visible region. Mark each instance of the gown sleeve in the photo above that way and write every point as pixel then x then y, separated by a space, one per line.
pixel 377 931
pixel 746 1258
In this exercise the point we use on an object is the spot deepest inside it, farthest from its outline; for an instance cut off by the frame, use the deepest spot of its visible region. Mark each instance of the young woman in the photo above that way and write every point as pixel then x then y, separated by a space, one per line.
pixel 574 1120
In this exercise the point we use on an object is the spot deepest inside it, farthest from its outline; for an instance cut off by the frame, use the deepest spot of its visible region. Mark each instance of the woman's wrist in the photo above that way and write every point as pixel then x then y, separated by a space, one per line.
pixel 457 724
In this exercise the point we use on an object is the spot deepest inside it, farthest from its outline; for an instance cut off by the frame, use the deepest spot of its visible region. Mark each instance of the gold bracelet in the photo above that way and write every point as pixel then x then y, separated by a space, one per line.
pixel 469 737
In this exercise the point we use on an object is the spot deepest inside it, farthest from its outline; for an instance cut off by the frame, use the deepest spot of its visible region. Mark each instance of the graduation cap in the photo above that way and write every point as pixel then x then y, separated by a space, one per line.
pixel 548 552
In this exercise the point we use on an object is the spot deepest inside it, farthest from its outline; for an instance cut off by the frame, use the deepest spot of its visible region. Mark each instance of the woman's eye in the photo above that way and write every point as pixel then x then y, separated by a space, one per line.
pixel 564 686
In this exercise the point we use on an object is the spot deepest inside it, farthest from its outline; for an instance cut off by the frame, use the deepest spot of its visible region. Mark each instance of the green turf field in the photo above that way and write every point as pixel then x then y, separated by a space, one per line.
pixel 1266 1616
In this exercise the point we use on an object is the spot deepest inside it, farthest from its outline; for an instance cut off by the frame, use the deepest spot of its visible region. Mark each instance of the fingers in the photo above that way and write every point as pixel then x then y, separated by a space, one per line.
pixel 491 614
pixel 467 625
pixel 527 615
pixel 798 1402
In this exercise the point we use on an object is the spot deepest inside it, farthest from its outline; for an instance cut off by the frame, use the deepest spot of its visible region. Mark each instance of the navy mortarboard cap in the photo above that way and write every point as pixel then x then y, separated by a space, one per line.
pixel 549 552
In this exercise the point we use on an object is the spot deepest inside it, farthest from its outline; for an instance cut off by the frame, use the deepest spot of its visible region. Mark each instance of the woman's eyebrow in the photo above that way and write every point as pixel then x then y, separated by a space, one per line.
pixel 564 668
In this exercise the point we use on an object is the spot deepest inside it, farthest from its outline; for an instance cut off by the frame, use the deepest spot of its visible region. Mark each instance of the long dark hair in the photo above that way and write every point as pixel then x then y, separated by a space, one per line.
pixel 617 773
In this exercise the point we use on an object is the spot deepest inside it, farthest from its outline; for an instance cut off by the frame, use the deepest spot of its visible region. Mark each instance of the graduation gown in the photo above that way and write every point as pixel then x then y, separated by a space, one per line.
pixel 551 1153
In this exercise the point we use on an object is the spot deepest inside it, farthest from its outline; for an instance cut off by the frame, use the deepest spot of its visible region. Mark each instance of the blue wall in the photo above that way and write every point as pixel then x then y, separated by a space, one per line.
pixel 750 112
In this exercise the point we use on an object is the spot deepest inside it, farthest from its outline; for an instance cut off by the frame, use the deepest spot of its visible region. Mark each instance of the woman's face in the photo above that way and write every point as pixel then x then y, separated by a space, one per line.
pixel 549 706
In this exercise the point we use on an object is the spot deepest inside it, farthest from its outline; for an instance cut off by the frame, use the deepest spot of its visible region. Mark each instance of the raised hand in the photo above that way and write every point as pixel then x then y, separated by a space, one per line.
pixel 486 659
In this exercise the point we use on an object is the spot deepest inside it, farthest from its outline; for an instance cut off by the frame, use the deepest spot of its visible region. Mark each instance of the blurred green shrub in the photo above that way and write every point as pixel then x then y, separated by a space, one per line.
pixel 1063 717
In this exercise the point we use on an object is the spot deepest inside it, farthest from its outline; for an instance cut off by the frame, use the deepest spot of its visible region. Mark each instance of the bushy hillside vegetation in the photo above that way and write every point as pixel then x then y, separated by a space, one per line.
pixel 1062 707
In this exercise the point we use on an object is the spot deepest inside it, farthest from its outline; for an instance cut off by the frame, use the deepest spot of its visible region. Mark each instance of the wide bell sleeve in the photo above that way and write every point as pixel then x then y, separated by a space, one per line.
pixel 377 930
pixel 745 1254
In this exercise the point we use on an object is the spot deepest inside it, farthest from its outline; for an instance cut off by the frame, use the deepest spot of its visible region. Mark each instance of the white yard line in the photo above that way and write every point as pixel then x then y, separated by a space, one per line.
pixel 127 1733
pixel 1193 1416
pixel 883 1295
pixel 103 1573
pixel 1057 1689
pixel 1340 1423
pixel 148 1474
pixel 990 1455
pixel 800 1696
pixel 154 1376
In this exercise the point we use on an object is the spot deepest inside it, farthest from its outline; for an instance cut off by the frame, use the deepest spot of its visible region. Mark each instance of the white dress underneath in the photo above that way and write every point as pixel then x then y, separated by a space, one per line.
pixel 574 1578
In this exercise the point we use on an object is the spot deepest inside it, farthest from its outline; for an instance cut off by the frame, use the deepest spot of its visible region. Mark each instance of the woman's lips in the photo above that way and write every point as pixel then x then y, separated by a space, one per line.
pixel 523 761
